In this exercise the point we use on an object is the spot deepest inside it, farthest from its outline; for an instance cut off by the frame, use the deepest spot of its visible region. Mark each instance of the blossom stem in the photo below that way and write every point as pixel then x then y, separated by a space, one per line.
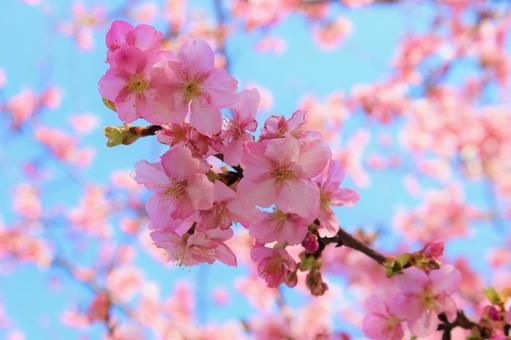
pixel 343 238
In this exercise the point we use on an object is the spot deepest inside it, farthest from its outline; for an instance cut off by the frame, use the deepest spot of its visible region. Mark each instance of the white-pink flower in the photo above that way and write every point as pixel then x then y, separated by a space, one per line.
pixel 423 296
pixel 278 171
pixel 235 136
pixel 273 264
pixel 331 194
pixel 381 321
pixel 197 87
pixel 180 187
pixel 279 226
pixel 201 246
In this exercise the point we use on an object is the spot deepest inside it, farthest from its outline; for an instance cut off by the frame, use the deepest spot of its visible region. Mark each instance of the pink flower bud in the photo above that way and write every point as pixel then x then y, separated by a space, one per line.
pixel 434 249
pixel 494 313
pixel 310 243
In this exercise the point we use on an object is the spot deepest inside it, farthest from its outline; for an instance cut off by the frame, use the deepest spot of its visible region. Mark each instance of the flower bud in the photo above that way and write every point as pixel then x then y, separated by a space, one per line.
pixel 434 249
pixel 311 243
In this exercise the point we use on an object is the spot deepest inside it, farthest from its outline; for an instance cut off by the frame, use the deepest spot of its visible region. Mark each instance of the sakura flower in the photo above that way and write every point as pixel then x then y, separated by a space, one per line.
pixel 122 34
pixel 243 120
pixel 381 321
pixel 197 86
pixel 225 210
pixel 331 194
pixel 124 282
pixel 52 97
pixel 201 246
pixel 278 126
pixel 508 316
pixel 180 188
pixel 26 201
pixel 422 297
pixel 279 171
pixel 84 123
pixel 279 226
pixel 22 107
pixel 130 85
pixel 434 249
pixel 329 36
pixel 273 264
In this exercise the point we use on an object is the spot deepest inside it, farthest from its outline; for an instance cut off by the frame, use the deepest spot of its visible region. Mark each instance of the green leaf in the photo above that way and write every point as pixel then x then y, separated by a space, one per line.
pixel 492 296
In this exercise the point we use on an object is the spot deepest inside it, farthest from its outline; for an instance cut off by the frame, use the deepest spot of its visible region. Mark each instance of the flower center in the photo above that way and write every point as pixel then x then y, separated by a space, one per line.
pixel 220 214
pixel 324 199
pixel 279 216
pixel 191 90
pixel 176 189
pixel 137 84
pixel 428 299
pixel 283 174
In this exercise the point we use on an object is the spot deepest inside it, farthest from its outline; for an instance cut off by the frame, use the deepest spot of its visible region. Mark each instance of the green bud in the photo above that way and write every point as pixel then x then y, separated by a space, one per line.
pixel 492 296
pixel 110 104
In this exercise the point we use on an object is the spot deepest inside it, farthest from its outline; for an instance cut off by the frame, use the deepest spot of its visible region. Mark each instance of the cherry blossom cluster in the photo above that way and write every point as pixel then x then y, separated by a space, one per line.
pixel 280 186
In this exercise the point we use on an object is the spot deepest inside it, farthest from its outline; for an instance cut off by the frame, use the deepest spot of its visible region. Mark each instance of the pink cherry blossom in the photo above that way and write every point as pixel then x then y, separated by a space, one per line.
pixel 279 170
pixel 22 107
pixel 331 35
pixel 423 296
pixel 434 249
pixel 381 321
pixel 26 201
pixel 84 123
pixel 273 264
pixel 52 97
pixel 244 112
pixel 279 226
pixel 331 194
pixel 134 84
pixel 179 187
pixel 226 209
pixel 197 87
pixel 278 126
pixel 122 34
pixel 201 246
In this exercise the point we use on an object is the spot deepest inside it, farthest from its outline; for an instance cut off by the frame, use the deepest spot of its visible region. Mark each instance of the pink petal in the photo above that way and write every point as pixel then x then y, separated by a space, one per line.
pixel 300 197
pixel 314 156
pixel 111 84
pixel 262 194
pixel 205 118
pixel 220 87
pixel 129 59
pixel 284 151
pixel 223 192
pixel 146 37
pixel 425 325
pixel 412 281
pixel 127 108
pixel 178 163
pixel 116 36
pixel 245 109
pixel 344 197
pixel 197 57
pixel 446 280
pixel 200 191
pixel 224 254
pixel 151 175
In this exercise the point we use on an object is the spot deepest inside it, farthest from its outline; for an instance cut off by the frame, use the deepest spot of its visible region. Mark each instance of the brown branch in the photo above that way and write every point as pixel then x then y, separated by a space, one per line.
pixel 343 238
